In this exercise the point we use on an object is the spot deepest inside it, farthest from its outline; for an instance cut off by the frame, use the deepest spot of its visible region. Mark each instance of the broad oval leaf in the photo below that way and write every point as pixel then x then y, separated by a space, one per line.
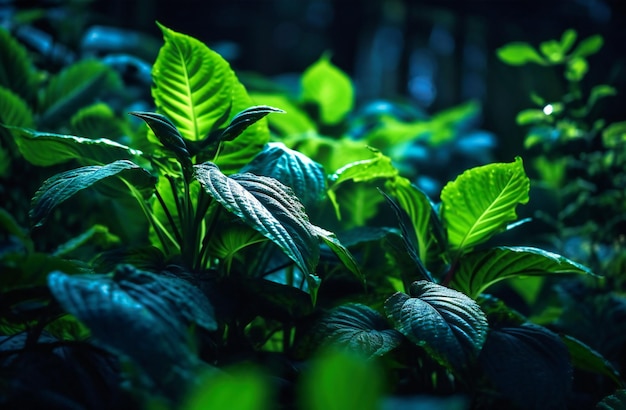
pixel 330 88
pixel 446 323
pixel 295 170
pixel 482 201
pixel 45 149
pixel 479 270
pixel 63 186
pixel 357 327
pixel 136 314
pixel 518 53
pixel 529 365
pixel 14 110
pixel 97 120
pixel 75 87
pixel 268 207
pixel 193 85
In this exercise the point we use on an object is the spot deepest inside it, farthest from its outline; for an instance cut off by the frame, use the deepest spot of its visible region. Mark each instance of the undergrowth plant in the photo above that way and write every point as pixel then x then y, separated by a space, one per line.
pixel 233 297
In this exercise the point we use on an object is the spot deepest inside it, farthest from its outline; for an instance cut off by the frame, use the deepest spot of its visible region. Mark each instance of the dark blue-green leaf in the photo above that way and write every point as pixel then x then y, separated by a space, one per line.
pixel 585 358
pixel 63 186
pixel 529 365
pixel 244 119
pixel 295 170
pixel 616 401
pixel 358 328
pixel 17 72
pixel 446 323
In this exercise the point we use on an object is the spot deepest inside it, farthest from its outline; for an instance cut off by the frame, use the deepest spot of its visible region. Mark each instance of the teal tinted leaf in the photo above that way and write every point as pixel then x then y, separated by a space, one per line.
pixel 245 119
pixel 168 136
pixel 481 202
pixel 585 358
pixel 295 170
pixel 450 326
pixel 529 365
pixel 63 186
pixel 479 270
pixel 75 87
pixel 588 46
pixel 14 110
pixel 138 314
pixel 45 149
pixel 192 85
pixel 429 235
pixel 519 53
pixel 268 207
pixel 340 380
pixel 330 88
pixel 243 388
pixel 359 328
pixel 17 72
pixel 567 40
pixel 616 401
pixel 97 120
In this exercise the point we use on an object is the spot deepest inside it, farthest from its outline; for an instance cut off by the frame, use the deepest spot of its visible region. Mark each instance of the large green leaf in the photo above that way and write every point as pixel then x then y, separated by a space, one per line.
pixel 45 149
pixel 17 72
pixel 529 365
pixel 75 87
pixel 63 186
pixel 14 110
pixel 449 325
pixel 482 201
pixel 428 235
pixel 267 206
pixel 193 85
pixel 477 271
pixel 330 88
pixel 379 166
pixel 97 120
pixel 358 328
pixel 585 358
pixel 295 170
pixel 141 315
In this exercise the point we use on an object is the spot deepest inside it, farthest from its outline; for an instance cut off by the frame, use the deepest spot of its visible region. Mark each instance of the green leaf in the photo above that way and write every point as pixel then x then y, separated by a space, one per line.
pixel 576 69
pixel 519 53
pixel 17 72
pixel 45 149
pixel 481 202
pixel 598 92
pixel 340 380
pixel 355 204
pixel 295 170
pixel 616 401
pixel 63 186
pixel 588 46
pixel 243 388
pixel 614 135
pixel 428 231
pixel 450 326
pixel 379 166
pixel 293 122
pixel 268 207
pixel 358 328
pixel 585 358
pixel 553 51
pixel 530 116
pixel 75 87
pixel 529 365
pixel 142 316
pixel 14 110
pixel 344 255
pixel 97 120
pixel 330 88
pixel 96 234
pixel 241 121
pixel 168 136
pixel 192 85
pixel 26 270
pixel 567 40
pixel 226 243
pixel 479 270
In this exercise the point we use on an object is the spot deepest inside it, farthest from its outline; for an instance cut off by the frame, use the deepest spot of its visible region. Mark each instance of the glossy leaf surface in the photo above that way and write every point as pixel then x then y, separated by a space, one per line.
pixel 448 324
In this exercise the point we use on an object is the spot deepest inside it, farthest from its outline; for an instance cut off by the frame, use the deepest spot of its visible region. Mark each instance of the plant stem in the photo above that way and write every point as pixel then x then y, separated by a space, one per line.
pixel 169 216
